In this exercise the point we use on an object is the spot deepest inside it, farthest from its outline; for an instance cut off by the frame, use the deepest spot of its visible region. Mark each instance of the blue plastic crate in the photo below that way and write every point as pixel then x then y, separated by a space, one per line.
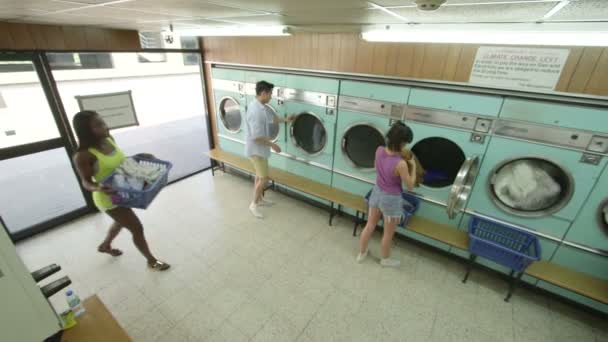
pixel 408 209
pixel 126 197
pixel 505 245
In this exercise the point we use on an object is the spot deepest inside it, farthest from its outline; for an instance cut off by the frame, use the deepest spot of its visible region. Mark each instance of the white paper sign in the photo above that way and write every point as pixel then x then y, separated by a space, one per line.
pixel 520 68
pixel 116 109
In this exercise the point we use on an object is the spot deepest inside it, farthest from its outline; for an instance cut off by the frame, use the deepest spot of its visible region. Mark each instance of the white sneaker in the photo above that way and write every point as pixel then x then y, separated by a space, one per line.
pixel 266 203
pixel 362 256
pixel 388 262
pixel 254 210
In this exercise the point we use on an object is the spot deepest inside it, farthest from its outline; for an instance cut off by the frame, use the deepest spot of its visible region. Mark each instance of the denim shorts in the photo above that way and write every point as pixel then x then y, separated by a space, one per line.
pixel 390 205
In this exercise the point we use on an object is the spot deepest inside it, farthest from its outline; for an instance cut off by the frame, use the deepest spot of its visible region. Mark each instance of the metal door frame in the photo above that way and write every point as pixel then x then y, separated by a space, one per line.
pixel 66 139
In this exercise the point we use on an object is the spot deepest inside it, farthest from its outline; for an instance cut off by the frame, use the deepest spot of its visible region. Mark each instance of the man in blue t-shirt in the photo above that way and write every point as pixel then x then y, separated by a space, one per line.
pixel 259 142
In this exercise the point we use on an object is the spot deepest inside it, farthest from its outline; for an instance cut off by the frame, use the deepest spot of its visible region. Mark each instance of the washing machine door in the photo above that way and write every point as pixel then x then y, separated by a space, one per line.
pixel 308 133
pixel 274 128
pixel 359 144
pixel 230 114
pixel 602 216
pixel 463 184
pixel 530 186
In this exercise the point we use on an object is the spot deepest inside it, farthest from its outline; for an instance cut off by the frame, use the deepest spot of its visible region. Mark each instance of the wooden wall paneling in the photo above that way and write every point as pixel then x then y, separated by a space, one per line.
pixel 22 38
pixel 465 63
pixel 250 51
pixel 568 71
pixel 391 59
pixel 435 56
pixel 267 49
pixel 6 40
pixel 55 37
pixel 95 38
pixel 210 49
pixel 418 60
pixel 37 33
pixel 598 83
pixel 315 59
pixel 326 52
pixel 451 63
pixel 304 48
pixel 379 58
pixel 210 102
pixel 347 53
pixel 276 58
pixel 405 60
pixel 335 52
pixel 119 40
pixel 584 69
pixel 76 38
pixel 364 57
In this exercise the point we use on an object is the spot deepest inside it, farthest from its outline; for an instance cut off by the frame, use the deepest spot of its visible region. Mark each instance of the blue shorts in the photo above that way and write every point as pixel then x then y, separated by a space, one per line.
pixel 391 205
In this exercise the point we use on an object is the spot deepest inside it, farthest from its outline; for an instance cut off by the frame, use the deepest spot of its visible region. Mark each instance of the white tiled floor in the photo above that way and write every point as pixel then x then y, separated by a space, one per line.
pixel 289 277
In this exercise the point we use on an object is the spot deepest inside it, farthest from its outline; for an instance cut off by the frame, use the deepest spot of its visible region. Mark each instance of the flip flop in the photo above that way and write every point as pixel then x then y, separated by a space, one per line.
pixel 112 251
pixel 159 266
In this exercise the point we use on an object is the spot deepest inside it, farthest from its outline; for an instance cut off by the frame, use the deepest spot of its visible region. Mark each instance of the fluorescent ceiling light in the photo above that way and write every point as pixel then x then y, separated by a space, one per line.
pixel 237 31
pixel 387 11
pixel 579 34
pixel 556 9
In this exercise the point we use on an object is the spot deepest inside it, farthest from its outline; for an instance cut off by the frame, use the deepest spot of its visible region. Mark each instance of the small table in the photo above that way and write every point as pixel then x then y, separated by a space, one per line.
pixel 96 325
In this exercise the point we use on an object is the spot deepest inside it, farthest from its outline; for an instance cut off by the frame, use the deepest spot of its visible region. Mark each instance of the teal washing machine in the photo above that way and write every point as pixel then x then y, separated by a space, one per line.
pixel 365 113
pixel 230 108
pixel 276 106
pixel 310 137
pixel 542 164
pixel 451 136
pixel 585 247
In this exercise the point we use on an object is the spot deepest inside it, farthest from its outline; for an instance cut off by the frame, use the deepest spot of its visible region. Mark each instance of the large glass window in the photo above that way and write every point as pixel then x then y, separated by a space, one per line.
pixel 167 97
pixel 36 188
pixel 25 116
pixel 37 182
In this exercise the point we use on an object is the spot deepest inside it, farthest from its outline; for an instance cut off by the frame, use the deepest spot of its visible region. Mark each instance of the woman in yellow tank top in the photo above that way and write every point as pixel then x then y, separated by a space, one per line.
pixel 97 157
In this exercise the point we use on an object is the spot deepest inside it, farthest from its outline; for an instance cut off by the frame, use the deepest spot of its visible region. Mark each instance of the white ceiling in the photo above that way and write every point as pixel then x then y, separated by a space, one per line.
pixel 306 15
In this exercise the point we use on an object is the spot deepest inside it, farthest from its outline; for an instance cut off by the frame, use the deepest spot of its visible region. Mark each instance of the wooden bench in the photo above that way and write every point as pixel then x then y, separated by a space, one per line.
pixel 577 282
pixel 334 196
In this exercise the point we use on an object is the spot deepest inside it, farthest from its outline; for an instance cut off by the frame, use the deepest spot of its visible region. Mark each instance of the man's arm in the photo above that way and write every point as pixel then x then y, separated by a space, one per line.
pixel 278 120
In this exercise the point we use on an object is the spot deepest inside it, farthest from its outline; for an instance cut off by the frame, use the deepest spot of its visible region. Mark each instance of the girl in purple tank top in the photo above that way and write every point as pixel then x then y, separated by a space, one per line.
pixel 385 199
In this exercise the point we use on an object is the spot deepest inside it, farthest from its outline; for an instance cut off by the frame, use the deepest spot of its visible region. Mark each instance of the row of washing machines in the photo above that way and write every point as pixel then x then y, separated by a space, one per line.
pixel 472 146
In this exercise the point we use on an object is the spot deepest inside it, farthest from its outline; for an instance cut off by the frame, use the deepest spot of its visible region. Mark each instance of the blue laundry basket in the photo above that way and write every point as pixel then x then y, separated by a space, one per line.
pixel 409 207
pixel 140 199
pixel 507 246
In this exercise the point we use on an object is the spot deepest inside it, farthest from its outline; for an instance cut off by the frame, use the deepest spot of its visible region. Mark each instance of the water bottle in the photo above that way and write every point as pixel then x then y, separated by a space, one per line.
pixel 74 303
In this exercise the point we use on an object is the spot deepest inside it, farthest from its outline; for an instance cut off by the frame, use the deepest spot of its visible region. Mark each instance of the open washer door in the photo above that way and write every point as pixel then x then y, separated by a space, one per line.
pixel 462 187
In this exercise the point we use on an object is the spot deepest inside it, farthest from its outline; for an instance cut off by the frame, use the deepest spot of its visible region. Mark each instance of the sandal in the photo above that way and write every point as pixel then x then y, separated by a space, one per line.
pixel 159 266
pixel 112 251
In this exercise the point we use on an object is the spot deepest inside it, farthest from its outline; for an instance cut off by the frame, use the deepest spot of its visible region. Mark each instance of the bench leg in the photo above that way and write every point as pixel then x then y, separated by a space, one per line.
pixel 331 213
pixel 512 283
pixel 356 223
pixel 472 258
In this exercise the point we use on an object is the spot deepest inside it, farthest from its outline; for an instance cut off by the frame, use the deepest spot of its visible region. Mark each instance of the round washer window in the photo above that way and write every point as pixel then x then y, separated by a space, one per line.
pixel 441 159
pixel 230 114
pixel 309 133
pixel 359 144
pixel 530 186
pixel 602 216
pixel 273 127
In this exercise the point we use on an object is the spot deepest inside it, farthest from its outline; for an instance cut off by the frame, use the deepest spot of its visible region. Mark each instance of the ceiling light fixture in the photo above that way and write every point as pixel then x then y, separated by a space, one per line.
pixel 575 34
pixel 556 9
pixel 389 12
pixel 237 31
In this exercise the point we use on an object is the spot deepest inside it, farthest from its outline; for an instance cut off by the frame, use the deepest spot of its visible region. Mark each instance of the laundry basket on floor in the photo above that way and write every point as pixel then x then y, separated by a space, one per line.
pixel 141 199
pixel 505 245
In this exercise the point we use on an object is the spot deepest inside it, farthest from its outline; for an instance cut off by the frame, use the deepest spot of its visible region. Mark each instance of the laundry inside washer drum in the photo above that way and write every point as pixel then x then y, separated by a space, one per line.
pixel 527 185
